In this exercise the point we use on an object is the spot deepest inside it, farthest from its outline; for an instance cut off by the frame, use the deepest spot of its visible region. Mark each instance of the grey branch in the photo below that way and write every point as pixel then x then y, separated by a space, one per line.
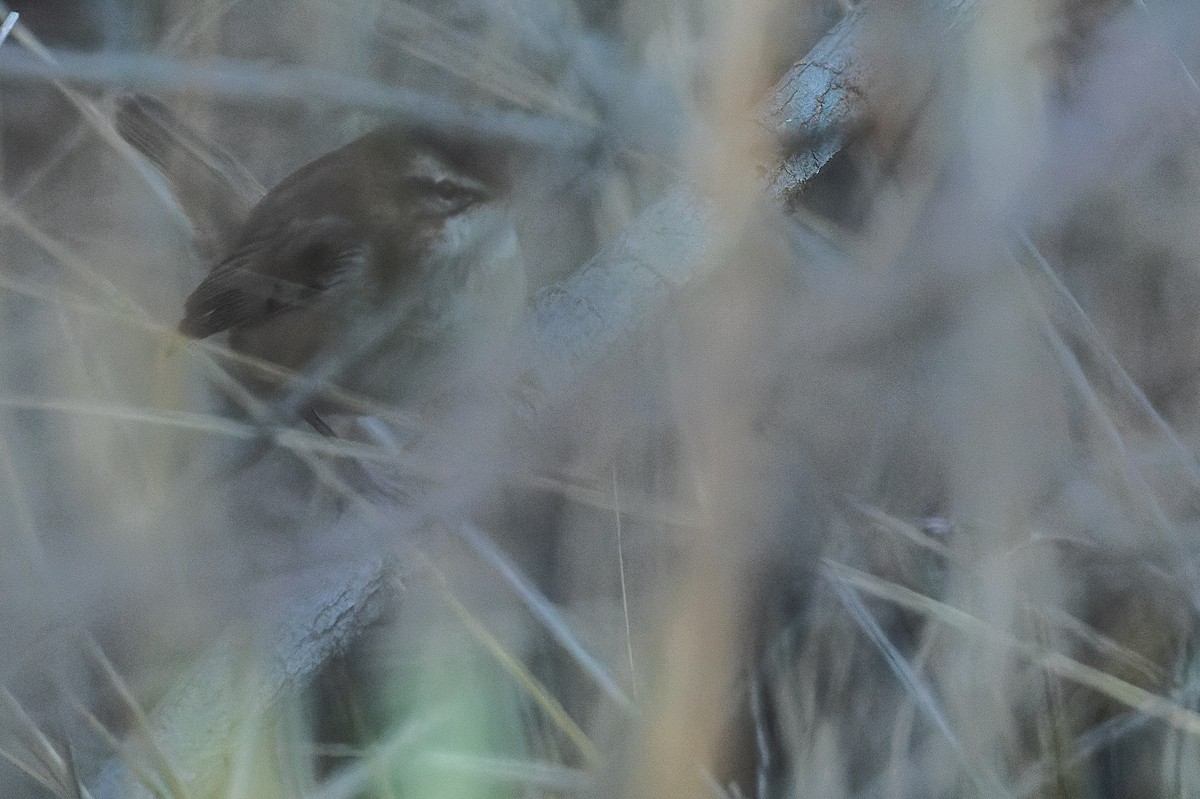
pixel 202 720
pixel 579 322
pixel 829 95
pixel 818 104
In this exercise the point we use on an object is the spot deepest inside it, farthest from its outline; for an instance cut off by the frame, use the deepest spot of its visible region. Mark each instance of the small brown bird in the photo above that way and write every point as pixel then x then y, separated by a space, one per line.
pixel 376 267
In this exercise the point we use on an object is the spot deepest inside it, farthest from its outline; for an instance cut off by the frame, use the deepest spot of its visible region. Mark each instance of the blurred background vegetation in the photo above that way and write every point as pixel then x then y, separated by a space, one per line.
pixel 882 484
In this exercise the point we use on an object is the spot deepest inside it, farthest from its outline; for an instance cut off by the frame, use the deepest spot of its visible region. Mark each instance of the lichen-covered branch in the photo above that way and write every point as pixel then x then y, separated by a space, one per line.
pixel 849 76
pixel 200 724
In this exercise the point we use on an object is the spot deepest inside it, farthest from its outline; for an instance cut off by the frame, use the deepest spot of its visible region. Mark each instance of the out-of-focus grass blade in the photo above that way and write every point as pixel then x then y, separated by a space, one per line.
pixel 30 771
pixel 523 773
pixel 352 780
pixel 921 694
pixel 1096 359
pixel 140 774
pixel 1085 746
pixel 542 697
pixel 9 23
pixel 161 762
pixel 543 611
pixel 1151 704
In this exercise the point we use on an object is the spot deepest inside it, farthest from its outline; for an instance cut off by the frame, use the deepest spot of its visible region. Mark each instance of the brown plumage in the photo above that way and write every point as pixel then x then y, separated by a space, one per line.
pixel 372 266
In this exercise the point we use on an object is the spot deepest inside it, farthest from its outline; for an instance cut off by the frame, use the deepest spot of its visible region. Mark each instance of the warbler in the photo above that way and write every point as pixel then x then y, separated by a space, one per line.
pixel 376 268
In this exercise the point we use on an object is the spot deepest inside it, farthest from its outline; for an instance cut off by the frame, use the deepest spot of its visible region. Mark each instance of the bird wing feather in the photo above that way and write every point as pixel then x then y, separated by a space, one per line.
pixel 236 293
pixel 244 289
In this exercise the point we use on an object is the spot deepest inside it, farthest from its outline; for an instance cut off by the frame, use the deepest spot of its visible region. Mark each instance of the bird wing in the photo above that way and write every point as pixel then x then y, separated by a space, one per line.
pixel 235 293
pixel 271 274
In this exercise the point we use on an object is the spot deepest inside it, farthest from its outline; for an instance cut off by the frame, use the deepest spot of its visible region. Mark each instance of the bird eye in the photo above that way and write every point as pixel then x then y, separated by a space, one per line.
pixel 447 189
pixel 444 197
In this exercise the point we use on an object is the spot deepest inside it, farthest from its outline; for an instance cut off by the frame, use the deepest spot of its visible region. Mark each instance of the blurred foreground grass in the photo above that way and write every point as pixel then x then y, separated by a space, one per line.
pixel 849 449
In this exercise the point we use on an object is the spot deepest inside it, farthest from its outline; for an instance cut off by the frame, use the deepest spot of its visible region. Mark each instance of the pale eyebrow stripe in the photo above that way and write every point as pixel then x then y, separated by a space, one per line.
pixel 433 169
